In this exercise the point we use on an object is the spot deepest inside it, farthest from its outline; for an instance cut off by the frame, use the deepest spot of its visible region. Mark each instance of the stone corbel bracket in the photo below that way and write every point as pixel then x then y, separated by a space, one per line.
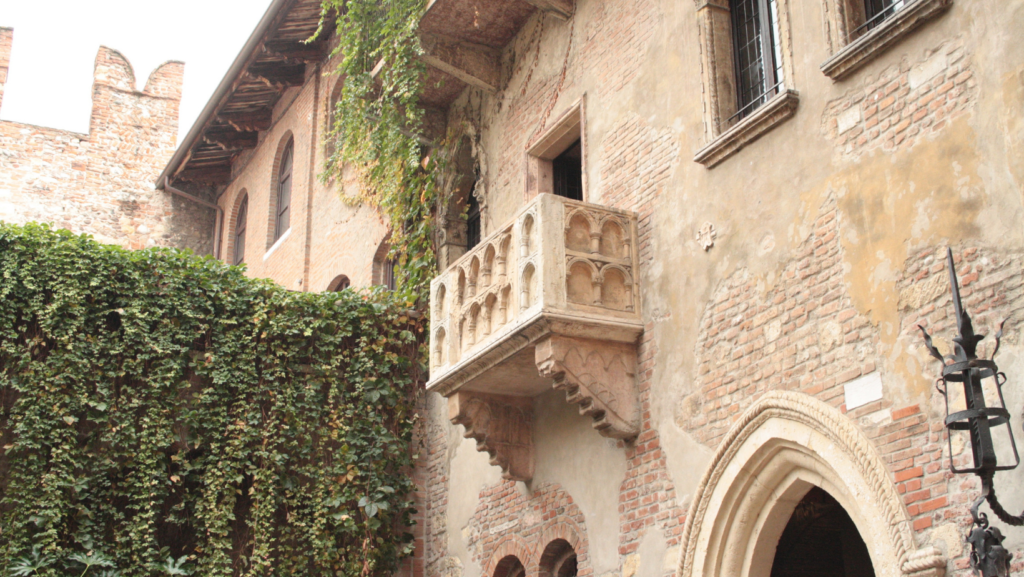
pixel 598 376
pixel 501 425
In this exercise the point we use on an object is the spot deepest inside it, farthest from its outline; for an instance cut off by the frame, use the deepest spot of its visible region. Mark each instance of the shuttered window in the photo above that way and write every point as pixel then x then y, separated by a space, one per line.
pixel 240 223
pixel 284 193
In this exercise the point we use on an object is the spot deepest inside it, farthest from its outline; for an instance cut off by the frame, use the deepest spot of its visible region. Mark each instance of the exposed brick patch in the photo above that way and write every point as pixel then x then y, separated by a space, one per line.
pixel 636 163
pixel 904 103
pixel 508 522
pixel 617 40
pixel 803 334
pixel 435 508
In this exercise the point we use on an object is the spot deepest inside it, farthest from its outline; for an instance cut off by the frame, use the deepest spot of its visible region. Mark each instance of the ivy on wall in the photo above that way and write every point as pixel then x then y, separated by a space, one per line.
pixel 162 414
pixel 378 125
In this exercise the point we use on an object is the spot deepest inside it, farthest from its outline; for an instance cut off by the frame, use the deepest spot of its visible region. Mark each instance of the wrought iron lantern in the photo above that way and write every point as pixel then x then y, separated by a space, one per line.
pixel 978 377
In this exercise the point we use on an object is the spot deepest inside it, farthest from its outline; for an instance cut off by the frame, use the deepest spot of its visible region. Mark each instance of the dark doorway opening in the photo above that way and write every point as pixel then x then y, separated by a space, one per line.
pixel 567 172
pixel 821 540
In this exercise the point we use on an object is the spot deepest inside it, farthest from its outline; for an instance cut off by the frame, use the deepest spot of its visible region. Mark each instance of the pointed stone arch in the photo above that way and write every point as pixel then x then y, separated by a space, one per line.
pixel 780 448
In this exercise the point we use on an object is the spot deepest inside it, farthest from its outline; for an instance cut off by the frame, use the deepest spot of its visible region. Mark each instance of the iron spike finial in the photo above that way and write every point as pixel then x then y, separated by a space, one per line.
pixel 958 306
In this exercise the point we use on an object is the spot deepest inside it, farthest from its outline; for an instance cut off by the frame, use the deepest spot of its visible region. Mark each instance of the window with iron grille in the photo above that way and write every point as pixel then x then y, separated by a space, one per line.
pixel 876 12
pixel 284 193
pixel 758 65
pixel 472 222
pixel 567 172
pixel 240 223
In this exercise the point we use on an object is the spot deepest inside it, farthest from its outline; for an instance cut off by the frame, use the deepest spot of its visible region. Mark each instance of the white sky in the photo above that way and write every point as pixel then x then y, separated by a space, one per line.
pixel 55 44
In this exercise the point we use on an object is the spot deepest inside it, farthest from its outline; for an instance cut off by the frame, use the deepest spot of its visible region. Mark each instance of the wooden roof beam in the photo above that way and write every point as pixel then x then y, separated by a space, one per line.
pixel 212 175
pixel 232 140
pixel 296 52
pixel 473 64
pixel 560 8
pixel 248 121
pixel 278 76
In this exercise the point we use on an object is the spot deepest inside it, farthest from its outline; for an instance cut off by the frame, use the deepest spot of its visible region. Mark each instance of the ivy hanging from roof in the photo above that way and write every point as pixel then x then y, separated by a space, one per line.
pixel 377 127
pixel 162 414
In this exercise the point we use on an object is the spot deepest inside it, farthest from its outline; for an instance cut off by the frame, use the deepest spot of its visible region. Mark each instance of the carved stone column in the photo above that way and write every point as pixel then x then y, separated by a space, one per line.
pixel 599 376
pixel 501 425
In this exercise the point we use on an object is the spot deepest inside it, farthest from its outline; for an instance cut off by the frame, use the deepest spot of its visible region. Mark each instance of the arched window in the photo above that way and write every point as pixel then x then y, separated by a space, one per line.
pixel 388 278
pixel 241 219
pixel 384 266
pixel 339 284
pixel 282 220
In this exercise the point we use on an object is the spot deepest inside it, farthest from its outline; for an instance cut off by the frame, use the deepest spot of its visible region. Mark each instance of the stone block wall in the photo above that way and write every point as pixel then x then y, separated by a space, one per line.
pixel 102 183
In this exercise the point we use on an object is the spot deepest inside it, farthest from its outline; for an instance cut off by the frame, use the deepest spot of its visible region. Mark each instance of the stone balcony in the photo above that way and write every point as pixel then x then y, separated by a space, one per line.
pixel 551 299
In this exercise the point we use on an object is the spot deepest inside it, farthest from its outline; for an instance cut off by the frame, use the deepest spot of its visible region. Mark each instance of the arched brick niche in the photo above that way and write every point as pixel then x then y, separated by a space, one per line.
pixel 778 450
pixel 545 531
pixel 559 559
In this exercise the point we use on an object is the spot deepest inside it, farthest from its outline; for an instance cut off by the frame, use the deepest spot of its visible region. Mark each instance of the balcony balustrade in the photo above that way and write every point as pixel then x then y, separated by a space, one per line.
pixel 551 299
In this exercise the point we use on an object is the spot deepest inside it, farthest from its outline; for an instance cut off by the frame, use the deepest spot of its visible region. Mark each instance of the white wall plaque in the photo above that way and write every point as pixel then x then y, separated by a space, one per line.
pixel 863 390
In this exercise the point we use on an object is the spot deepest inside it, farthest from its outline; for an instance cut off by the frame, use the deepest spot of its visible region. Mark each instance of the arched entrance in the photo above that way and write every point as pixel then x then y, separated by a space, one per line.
pixel 821 539
pixel 777 452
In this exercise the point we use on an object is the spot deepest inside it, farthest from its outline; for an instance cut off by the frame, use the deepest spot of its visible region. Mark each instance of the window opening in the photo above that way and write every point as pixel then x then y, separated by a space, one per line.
pixel 388 275
pixel 473 232
pixel 876 12
pixel 821 539
pixel 756 44
pixel 567 172
pixel 240 222
pixel 284 193
pixel 339 284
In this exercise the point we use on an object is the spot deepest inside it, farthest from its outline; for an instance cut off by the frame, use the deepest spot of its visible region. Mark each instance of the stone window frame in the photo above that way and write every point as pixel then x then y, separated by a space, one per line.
pixel 718 75
pixel 570 126
pixel 842 17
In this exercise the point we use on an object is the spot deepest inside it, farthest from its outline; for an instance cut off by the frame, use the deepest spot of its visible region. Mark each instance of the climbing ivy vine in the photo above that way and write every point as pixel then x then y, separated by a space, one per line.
pixel 162 414
pixel 378 125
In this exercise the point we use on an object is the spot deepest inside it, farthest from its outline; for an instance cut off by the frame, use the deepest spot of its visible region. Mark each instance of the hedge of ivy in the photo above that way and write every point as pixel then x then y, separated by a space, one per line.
pixel 162 414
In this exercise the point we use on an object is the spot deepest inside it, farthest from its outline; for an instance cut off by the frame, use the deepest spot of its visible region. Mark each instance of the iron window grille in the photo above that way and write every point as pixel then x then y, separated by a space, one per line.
pixel 473 231
pixel 284 193
pixel 876 12
pixel 755 35
pixel 240 223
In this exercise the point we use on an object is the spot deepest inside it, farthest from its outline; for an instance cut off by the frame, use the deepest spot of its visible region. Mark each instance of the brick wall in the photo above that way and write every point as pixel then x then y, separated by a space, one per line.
pixel 101 183
pixel 915 441
pixel 6 40
pixel 329 236
pixel 905 102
